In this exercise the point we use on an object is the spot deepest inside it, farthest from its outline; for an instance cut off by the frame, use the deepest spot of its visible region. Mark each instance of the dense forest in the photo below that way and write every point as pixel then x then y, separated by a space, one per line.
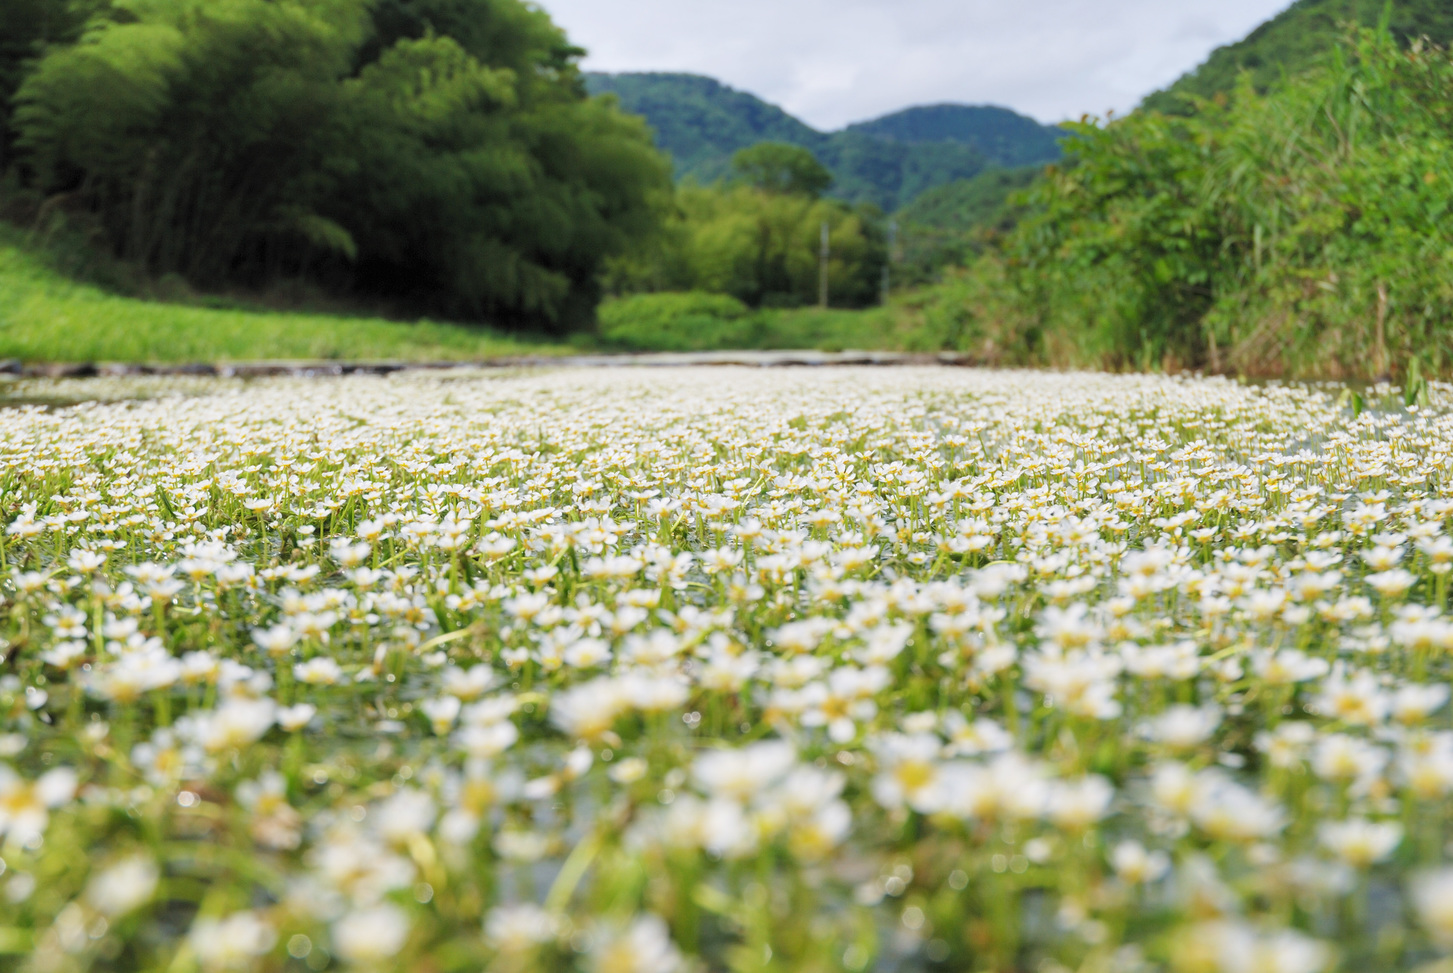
pixel 1005 138
pixel 442 154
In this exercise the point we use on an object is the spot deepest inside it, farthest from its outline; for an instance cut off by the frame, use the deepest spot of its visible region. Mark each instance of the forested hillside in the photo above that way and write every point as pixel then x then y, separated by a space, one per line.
pixel 1004 137
pixel 889 162
pixel 1302 37
pixel 701 122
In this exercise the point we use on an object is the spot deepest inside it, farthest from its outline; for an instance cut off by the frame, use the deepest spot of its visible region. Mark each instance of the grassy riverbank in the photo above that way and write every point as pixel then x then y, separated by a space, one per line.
pixel 46 315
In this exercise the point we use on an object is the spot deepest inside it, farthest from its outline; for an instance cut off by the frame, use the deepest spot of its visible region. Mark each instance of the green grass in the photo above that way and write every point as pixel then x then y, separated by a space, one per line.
pixel 50 312
pixel 47 317
pixel 871 329
pixel 715 322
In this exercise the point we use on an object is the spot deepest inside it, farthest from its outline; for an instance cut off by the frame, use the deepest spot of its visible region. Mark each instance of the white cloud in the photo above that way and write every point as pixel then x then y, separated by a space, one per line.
pixel 831 62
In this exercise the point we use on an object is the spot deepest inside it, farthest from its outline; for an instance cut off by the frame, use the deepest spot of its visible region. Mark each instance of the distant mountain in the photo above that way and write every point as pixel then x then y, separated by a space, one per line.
pixel 1298 38
pixel 702 123
pixel 1004 137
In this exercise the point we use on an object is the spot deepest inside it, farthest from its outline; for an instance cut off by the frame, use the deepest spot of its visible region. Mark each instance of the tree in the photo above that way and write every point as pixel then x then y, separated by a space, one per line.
pixel 776 167
pixel 761 248
pixel 27 28
pixel 201 132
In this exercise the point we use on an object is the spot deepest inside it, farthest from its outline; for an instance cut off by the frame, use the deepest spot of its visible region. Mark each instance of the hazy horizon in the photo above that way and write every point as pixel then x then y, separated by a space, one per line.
pixel 835 63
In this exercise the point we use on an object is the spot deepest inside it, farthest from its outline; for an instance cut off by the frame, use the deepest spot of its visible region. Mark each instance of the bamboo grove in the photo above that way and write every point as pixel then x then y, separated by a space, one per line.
pixel 442 154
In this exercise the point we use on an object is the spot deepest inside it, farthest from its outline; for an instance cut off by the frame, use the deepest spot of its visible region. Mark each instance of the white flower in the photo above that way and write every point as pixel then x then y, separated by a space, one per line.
pixel 911 773
pixel 230 943
pixel 25 806
pixel 629 770
pixel 136 672
pixel 372 936
pixel 643 947
pixel 407 813
pixel 589 709
pixel 1244 949
pixel 1414 704
pixel 717 825
pixel 441 713
pixel 1344 758
pixel 967 739
pixel 123 887
pixel 349 555
pixel 1432 895
pixel 587 652
pixel 1359 842
pixel 277 640
pixel 293 718
pixel 1076 804
pixel 1183 727
pixel 319 671
pixel 1392 584
pixel 1288 666
pixel 519 928
pixel 1225 810
pixel 235 724
pixel 1136 865
pixel 468 684
pixel 744 774
pixel 486 740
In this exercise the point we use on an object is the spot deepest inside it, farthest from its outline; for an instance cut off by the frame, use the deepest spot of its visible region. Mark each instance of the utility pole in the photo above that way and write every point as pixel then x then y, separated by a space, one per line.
pixel 822 268
pixel 888 260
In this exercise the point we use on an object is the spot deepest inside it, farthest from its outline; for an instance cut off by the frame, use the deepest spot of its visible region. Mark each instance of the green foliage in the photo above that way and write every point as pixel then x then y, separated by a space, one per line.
pixel 697 321
pixel 193 127
pixel 761 248
pixel 27 28
pixel 981 310
pixel 692 321
pixel 776 167
pixel 1004 137
pixel 835 329
pixel 45 315
pixel 1299 38
pixel 702 124
pixel 889 174
pixel 1303 231
pixel 948 226
pixel 438 151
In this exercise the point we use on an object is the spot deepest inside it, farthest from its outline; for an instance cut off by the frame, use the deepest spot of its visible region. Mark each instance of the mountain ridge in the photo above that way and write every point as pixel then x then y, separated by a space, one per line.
pixel 887 161
pixel 1006 137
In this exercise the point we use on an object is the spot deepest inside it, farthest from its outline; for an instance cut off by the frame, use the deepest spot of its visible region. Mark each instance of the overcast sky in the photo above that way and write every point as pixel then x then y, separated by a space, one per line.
pixel 831 62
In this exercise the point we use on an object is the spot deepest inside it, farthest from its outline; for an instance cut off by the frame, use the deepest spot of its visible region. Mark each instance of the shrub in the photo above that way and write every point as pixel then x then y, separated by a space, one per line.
pixel 691 321
pixel 1299 232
